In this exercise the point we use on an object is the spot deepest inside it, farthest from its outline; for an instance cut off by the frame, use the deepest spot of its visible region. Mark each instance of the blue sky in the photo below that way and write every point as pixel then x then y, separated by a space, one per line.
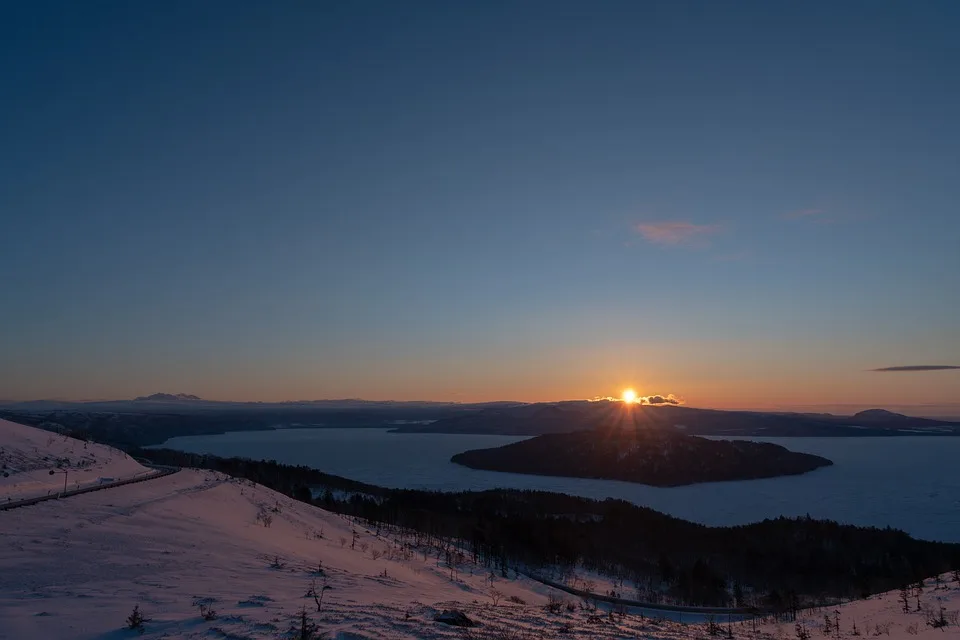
pixel 743 204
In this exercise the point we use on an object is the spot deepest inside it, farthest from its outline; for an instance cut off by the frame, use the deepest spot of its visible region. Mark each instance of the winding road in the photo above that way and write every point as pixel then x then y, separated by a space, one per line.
pixel 159 471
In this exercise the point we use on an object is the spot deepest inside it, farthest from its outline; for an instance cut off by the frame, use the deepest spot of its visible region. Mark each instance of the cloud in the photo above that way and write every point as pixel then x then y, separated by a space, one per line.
pixel 920 367
pixel 675 233
pixel 659 399
pixel 654 400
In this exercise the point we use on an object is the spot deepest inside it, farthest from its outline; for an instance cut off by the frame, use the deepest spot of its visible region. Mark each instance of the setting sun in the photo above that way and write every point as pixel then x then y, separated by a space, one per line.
pixel 629 396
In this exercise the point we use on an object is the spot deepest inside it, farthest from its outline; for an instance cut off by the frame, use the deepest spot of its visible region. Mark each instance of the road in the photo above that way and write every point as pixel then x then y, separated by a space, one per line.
pixel 673 612
pixel 159 472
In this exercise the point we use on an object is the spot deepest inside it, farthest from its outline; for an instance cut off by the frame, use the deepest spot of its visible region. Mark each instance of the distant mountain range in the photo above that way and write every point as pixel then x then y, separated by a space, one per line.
pixel 186 401
pixel 152 418
pixel 168 397
pixel 565 417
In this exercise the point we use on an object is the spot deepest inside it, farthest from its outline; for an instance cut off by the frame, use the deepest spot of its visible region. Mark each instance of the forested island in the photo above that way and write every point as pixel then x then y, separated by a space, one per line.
pixel 658 457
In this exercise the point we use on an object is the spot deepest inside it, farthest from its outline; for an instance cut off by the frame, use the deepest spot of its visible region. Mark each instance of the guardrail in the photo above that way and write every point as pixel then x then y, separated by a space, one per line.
pixel 737 611
pixel 161 471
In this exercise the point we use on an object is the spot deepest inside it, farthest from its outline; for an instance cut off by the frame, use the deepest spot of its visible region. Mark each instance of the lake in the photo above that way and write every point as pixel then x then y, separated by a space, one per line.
pixel 909 483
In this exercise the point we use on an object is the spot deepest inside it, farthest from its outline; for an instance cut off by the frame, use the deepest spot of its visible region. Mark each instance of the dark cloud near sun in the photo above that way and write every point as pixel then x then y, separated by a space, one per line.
pixel 920 367
pixel 658 399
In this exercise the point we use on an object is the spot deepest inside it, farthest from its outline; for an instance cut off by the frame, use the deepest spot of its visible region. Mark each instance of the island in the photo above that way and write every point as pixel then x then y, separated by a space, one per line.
pixel 658 457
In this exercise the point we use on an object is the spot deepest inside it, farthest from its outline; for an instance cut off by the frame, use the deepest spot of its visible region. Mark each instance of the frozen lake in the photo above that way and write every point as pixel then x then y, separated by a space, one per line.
pixel 909 483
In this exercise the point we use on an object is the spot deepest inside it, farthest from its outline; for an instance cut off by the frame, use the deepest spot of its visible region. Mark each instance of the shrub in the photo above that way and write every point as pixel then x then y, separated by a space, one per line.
pixel 713 628
pixel 135 620
pixel 937 621
pixel 554 603
pixel 264 518
pixel 306 630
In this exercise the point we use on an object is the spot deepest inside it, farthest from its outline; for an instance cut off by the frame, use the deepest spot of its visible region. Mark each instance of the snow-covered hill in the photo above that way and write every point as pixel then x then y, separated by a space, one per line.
pixel 883 616
pixel 28 455
pixel 75 568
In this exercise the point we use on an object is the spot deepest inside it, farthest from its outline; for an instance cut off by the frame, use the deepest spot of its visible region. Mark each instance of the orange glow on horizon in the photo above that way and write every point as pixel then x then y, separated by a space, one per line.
pixel 629 396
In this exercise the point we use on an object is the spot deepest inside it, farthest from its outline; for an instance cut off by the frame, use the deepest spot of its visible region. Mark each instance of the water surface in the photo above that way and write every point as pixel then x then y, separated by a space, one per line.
pixel 909 483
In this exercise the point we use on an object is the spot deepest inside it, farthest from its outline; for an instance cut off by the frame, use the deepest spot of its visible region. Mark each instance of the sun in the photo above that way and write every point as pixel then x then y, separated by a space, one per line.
pixel 629 396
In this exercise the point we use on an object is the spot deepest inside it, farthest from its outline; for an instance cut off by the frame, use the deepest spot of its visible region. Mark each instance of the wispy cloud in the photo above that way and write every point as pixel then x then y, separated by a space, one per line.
pixel 920 367
pixel 676 233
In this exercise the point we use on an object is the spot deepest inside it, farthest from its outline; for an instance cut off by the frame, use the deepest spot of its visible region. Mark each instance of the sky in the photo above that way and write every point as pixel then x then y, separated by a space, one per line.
pixel 743 204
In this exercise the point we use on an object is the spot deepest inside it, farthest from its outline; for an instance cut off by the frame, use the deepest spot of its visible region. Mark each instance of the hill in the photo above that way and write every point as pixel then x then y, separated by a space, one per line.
pixel 75 568
pixel 565 417
pixel 152 421
pixel 648 456
pixel 34 462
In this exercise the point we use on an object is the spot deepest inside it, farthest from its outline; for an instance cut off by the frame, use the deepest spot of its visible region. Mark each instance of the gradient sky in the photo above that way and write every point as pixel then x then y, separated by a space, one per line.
pixel 744 204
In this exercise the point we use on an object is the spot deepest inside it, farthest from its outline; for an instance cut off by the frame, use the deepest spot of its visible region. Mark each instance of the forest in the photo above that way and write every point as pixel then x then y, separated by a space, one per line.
pixel 775 565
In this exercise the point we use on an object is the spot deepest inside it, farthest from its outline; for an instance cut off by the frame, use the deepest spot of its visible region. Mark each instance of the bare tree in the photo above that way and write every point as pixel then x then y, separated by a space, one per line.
pixel 317 594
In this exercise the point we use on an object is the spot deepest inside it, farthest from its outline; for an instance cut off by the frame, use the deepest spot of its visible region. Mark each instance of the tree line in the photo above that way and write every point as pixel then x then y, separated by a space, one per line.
pixel 778 565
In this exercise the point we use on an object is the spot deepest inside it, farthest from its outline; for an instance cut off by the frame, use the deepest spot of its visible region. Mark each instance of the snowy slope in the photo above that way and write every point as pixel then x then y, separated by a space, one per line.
pixel 27 455
pixel 75 568
pixel 882 616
